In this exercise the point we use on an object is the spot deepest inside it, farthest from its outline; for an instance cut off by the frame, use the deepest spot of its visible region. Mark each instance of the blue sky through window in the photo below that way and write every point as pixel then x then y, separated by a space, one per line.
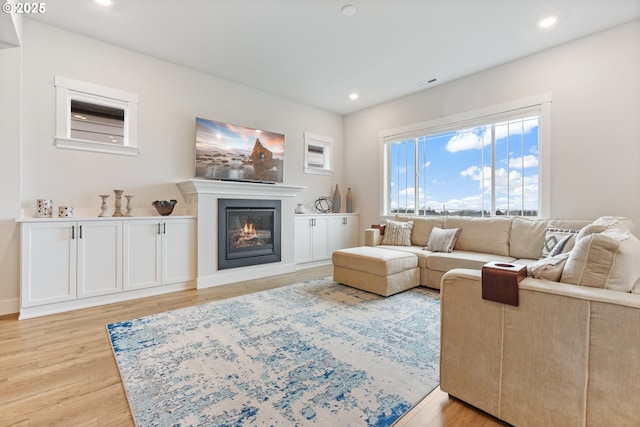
pixel 455 169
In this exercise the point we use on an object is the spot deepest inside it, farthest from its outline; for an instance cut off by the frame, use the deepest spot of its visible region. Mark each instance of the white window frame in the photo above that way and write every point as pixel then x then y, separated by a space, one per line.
pixel 68 89
pixel 469 119
pixel 323 144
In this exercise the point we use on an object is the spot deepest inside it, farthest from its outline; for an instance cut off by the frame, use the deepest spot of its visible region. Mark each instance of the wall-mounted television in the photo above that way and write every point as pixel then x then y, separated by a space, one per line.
pixel 232 152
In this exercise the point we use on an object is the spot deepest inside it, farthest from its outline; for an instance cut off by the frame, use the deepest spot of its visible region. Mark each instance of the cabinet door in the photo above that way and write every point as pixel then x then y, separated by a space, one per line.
pixel 320 238
pixel 99 258
pixel 336 232
pixel 350 231
pixel 303 239
pixel 344 232
pixel 142 254
pixel 48 263
pixel 178 250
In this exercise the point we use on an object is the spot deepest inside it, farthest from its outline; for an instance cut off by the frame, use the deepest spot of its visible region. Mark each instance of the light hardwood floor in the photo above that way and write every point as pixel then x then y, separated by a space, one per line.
pixel 59 370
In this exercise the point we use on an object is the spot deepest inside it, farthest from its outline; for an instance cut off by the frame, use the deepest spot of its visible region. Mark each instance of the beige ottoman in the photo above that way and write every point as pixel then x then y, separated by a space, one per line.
pixel 381 271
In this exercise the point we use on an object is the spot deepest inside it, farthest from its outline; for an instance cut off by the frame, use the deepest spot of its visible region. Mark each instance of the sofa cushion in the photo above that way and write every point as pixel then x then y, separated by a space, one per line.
pixel 422 226
pixel 442 239
pixel 527 237
pixel 606 260
pixel 442 261
pixel 397 233
pixel 487 235
pixel 380 262
pixel 528 234
pixel 416 250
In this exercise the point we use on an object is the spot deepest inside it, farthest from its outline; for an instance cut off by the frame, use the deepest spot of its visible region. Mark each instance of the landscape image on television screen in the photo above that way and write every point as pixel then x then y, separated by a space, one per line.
pixel 232 152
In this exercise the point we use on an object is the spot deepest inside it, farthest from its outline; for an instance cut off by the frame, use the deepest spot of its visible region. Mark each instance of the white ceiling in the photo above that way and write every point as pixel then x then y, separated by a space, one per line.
pixel 308 51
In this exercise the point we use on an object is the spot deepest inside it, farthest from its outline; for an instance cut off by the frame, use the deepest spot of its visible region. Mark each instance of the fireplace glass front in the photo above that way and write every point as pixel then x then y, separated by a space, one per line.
pixel 248 232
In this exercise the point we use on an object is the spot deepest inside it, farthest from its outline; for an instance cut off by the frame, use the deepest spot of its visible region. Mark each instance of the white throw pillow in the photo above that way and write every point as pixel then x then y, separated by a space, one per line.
pixel 442 239
pixel 549 268
pixel 397 233
pixel 606 260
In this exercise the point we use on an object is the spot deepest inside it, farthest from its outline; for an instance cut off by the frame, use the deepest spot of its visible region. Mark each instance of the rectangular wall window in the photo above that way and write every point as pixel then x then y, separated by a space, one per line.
pixel 479 167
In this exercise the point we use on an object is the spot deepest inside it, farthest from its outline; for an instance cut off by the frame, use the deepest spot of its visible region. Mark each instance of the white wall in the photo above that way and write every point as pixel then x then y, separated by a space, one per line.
pixel 10 67
pixel 170 98
pixel 595 137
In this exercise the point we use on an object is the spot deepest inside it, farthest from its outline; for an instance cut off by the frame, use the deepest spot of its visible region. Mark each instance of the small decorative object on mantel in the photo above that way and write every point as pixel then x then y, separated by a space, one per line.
pixel 349 201
pixel 118 211
pixel 336 200
pixel 104 207
pixel 163 207
pixel 323 204
pixel 129 205
pixel 300 208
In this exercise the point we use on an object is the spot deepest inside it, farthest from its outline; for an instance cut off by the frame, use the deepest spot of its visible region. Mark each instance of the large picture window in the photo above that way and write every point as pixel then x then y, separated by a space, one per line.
pixel 474 164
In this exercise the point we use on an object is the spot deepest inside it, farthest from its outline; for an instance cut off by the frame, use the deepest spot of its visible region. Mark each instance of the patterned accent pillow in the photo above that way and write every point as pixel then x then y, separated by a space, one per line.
pixel 558 240
pixel 397 233
pixel 442 239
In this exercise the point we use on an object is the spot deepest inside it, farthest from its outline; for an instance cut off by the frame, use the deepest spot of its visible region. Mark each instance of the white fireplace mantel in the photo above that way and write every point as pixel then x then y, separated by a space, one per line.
pixel 236 188
pixel 202 196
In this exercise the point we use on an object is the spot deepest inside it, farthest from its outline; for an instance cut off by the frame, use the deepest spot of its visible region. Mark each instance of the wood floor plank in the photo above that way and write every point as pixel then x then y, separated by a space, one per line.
pixel 59 370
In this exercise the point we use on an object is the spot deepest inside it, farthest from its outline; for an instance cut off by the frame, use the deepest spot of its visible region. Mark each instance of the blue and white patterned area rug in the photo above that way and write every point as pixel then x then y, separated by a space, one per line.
pixel 315 353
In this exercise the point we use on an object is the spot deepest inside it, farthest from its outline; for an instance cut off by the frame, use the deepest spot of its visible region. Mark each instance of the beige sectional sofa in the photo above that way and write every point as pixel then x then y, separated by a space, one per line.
pixel 566 355
pixel 481 240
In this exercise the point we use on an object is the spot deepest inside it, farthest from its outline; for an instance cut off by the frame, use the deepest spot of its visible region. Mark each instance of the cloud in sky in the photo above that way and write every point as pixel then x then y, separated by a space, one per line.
pixel 467 140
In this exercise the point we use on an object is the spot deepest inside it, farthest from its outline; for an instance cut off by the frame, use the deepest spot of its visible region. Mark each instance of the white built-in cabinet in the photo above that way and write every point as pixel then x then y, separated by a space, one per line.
pixel 69 264
pixel 158 252
pixel 318 235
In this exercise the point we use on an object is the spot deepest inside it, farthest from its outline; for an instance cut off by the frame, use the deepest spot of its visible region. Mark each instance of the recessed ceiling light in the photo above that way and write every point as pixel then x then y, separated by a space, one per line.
pixel 348 10
pixel 547 22
pixel 104 2
pixel 353 96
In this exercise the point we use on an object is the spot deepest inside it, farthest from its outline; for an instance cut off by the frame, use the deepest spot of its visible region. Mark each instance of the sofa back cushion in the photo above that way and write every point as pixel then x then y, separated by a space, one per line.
pixel 488 235
pixel 527 238
pixel 606 260
pixel 422 226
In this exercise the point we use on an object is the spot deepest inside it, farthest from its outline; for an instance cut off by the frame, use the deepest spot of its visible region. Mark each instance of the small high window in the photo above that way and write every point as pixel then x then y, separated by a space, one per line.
pixel 95 118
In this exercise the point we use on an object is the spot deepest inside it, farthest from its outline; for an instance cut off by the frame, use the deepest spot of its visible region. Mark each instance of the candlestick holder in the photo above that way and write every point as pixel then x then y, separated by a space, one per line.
pixel 118 211
pixel 129 205
pixel 104 207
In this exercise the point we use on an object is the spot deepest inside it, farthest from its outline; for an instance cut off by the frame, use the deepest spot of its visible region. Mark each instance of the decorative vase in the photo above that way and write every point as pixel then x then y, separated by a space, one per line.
pixel 104 207
pixel 300 208
pixel 118 211
pixel 349 201
pixel 129 205
pixel 336 200
pixel 163 207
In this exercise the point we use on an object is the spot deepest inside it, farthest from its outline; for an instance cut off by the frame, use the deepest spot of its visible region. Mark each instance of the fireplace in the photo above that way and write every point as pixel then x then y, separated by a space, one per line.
pixel 249 232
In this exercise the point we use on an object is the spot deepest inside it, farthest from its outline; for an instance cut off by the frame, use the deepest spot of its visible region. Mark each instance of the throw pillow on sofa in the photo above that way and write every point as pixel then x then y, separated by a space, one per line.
pixel 397 233
pixel 558 240
pixel 442 239
pixel 606 260
pixel 549 268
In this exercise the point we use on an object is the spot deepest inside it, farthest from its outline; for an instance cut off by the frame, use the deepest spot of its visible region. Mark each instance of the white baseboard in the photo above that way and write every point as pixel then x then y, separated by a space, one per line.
pixel 9 306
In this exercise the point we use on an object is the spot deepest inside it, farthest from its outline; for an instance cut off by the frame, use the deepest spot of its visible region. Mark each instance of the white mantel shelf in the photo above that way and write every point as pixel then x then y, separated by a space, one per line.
pixel 237 188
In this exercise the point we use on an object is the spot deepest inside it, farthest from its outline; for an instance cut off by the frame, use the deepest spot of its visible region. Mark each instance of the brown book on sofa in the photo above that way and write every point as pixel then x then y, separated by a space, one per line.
pixel 500 281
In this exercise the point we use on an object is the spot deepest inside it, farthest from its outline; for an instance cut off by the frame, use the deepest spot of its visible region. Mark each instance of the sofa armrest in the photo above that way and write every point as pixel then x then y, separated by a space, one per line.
pixel 372 237
pixel 562 353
